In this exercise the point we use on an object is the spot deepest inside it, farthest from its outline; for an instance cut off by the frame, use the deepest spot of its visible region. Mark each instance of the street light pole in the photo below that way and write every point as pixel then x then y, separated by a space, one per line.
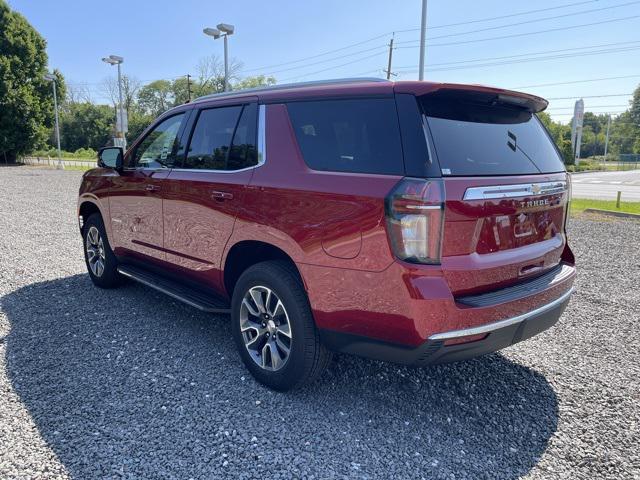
pixel 52 79
pixel 423 37
pixel 121 111
pixel 226 64
pixel 116 60
pixel 222 30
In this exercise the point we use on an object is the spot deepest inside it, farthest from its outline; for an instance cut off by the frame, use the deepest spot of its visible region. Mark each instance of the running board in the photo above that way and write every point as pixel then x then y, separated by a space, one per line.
pixel 200 300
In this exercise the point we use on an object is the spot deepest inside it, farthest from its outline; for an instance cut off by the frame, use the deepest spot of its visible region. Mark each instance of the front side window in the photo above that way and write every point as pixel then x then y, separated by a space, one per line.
pixel 351 135
pixel 158 148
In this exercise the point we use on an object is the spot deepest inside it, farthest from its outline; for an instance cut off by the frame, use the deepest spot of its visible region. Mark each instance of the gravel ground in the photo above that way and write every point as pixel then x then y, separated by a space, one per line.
pixel 128 383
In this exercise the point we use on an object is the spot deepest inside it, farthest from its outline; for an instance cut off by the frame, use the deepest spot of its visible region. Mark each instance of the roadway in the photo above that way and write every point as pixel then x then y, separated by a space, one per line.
pixel 605 185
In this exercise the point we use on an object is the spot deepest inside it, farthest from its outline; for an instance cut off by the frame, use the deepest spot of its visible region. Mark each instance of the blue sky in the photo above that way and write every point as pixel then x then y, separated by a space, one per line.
pixel 162 39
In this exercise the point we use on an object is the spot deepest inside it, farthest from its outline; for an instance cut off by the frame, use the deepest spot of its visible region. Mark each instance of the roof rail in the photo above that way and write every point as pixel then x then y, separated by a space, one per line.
pixel 286 86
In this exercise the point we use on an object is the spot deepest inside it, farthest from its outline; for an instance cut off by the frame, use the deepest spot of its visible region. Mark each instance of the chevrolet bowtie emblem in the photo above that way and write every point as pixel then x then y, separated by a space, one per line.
pixel 535 189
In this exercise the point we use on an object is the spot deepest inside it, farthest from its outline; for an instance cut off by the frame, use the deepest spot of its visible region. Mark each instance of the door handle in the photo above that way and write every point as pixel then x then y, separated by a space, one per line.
pixel 151 188
pixel 221 195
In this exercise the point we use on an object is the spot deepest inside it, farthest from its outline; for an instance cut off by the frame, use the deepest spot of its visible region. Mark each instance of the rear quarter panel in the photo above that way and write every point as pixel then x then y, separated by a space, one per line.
pixel 320 218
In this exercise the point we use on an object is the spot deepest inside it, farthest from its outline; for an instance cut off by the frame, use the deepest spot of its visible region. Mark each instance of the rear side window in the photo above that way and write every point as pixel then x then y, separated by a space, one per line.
pixel 243 152
pixel 351 135
pixel 224 139
pixel 478 138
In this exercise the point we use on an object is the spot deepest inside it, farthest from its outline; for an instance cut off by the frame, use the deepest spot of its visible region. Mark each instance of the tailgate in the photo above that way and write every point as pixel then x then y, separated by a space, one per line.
pixel 502 230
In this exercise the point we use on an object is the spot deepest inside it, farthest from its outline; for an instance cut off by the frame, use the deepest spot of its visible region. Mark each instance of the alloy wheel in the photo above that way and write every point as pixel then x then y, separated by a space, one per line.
pixel 265 327
pixel 95 251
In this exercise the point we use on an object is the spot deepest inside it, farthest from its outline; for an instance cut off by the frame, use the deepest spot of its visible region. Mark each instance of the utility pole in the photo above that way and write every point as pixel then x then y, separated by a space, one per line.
pixel 388 70
pixel 188 88
pixel 606 141
pixel 423 37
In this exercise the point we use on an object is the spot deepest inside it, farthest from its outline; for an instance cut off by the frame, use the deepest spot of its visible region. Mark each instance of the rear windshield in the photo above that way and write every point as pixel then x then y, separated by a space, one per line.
pixel 351 135
pixel 478 138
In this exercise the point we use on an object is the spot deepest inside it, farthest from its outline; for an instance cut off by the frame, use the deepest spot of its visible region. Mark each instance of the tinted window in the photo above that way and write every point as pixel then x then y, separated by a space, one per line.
pixel 417 159
pixel 243 152
pixel 481 139
pixel 211 138
pixel 355 135
pixel 158 148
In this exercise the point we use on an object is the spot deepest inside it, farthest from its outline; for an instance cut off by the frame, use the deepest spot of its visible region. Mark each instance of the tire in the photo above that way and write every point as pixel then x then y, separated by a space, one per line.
pixel 261 344
pixel 94 239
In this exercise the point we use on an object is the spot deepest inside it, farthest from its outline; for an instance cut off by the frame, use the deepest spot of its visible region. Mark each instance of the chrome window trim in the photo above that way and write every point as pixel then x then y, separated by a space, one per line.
pixel 519 190
pixel 262 149
pixel 262 136
pixel 490 327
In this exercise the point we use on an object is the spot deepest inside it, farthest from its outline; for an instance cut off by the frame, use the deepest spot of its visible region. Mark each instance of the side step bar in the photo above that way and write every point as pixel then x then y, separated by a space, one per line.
pixel 200 300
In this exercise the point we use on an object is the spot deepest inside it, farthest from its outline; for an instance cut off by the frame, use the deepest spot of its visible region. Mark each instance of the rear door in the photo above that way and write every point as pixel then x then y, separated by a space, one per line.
pixel 506 190
pixel 135 200
pixel 206 190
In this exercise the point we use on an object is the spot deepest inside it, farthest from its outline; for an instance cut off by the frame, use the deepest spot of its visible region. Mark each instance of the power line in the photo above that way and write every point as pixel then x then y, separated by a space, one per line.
pixel 524 34
pixel 577 81
pixel 592 96
pixel 504 16
pixel 320 54
pixel 536 20
pixel 329 59
pixel 431 27
pixel 527 60
pixel 463 61
pixel 591 106
pixel 333 67
pixel 587 111
pixel 527 54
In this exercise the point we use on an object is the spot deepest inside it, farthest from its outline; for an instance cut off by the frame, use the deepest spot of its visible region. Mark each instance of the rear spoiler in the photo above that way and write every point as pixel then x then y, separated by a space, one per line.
pixel 478 93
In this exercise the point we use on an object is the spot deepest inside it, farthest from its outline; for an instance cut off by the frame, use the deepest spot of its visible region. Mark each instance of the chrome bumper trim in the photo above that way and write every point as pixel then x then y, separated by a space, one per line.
pixel 490 327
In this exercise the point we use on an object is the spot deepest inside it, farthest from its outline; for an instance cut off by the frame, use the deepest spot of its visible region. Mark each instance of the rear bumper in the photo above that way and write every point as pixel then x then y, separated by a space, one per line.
pixel 494 336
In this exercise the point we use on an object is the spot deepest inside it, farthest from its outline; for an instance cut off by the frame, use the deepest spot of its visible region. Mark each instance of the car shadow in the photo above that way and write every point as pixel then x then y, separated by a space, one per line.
pixel 130 383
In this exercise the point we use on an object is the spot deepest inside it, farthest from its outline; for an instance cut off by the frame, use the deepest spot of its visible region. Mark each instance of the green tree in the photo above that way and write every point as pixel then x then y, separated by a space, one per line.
pixel 26 100
pixel 85 125
pixel 561 135
pixel 254 82
pixel 156 97
pixel 180 90
pixel 634 111
pixel 137 123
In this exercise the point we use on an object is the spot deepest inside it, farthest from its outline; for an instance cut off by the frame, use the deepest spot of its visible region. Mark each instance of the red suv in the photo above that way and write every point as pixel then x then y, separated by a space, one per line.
pixel 412 222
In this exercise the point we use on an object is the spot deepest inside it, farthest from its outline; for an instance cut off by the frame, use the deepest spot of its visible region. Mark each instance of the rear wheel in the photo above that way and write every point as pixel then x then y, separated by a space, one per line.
pixel 101 262
pixel 274 329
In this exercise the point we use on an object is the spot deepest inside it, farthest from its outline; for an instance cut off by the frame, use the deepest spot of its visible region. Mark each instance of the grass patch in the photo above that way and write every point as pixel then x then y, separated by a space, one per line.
pixel 580 204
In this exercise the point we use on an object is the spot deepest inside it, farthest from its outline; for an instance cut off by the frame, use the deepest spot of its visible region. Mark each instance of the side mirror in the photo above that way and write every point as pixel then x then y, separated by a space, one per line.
pixel 110 157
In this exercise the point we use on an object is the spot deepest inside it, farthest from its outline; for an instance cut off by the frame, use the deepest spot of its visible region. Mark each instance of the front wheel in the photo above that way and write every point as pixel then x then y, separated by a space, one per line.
pixel 101 263
pixel 274 329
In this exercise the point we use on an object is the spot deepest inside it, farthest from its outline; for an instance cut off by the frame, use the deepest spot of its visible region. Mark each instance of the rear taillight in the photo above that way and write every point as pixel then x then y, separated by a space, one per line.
pixel 415 215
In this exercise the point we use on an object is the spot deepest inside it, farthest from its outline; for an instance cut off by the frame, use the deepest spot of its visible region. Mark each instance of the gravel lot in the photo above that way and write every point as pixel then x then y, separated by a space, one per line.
pixel 130 384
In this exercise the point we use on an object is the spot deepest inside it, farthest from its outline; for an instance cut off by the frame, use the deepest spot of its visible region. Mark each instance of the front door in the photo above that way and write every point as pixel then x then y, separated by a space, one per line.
pixel 135 202
pixel 203 195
